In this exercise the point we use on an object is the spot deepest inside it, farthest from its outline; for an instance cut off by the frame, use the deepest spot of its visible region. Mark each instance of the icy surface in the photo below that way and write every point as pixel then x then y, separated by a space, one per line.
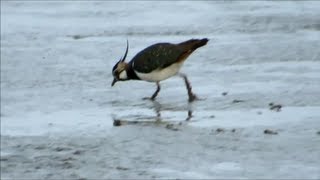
pixel 57 105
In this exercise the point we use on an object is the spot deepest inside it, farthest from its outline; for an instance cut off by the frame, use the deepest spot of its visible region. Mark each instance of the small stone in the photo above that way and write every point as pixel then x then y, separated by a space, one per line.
pixel 268 131
pixel 40 147
pixel 76 37
pixel 276 107
pixel 237 101
pixel 212 116
pixel 318 132
pixel 220 130
pixel 259 112
pixel 59 149
pixel 122 168
pixel 233 130
pixel 116 122
pixel 171 127
pixel 224 93
pixel 77 152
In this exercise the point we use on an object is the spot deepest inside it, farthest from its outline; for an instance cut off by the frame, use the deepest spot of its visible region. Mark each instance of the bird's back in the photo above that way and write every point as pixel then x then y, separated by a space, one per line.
pixel 162 55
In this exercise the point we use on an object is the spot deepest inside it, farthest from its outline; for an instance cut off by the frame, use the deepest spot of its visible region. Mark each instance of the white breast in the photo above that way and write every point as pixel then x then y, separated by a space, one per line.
pixel 160 74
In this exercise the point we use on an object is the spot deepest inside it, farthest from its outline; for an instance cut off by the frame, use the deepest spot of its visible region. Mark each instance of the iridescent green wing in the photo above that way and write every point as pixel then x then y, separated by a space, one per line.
pixel 157 56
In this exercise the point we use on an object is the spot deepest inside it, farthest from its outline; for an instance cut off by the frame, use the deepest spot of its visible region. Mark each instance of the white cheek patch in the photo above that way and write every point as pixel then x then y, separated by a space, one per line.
pixel 123 75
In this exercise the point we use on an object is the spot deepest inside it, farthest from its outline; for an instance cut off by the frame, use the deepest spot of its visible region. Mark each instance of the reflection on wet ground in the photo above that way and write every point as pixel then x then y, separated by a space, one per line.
pixel 158 108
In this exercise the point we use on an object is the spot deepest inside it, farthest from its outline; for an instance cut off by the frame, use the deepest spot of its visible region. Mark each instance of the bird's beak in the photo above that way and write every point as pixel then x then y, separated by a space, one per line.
pixel 113 82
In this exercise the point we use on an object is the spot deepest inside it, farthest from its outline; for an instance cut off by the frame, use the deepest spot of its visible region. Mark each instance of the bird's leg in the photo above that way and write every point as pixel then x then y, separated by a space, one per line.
pixel 155 93
pixel 191 95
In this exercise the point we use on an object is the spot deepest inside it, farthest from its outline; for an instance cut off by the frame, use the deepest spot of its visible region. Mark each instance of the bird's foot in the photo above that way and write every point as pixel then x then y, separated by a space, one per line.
pixel 149 98
pixel 193 97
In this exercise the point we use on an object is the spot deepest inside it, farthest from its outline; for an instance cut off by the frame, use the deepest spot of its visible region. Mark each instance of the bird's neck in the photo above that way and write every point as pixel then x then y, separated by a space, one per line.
pixel 130 72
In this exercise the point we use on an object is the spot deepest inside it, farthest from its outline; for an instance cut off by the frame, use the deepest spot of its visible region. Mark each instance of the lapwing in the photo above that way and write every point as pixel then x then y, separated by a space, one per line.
pixel 156 63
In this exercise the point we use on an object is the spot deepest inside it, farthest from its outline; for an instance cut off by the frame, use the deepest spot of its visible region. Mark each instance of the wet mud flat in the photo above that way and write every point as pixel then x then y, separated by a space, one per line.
pixel 259 76
pixel 155 151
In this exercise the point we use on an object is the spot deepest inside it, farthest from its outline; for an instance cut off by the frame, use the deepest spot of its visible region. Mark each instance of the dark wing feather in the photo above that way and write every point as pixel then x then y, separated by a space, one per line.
pixel 162 55
pixel 156 56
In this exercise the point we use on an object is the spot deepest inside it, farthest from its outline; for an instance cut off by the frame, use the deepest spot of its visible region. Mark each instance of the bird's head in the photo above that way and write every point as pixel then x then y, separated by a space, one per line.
pixel 119 70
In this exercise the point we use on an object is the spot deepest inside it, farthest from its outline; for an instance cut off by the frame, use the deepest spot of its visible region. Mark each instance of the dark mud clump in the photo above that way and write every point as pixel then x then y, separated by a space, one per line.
pixel 237 101
pixel 268 131
pixel 117 122
pixel 275 107
pixel 171 127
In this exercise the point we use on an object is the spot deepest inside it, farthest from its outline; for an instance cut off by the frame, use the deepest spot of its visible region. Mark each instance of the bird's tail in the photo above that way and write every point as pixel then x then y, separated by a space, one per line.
pixel 193 44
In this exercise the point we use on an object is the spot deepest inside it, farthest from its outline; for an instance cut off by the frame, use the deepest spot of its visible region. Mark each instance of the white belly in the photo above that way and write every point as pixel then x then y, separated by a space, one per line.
pixel 159 75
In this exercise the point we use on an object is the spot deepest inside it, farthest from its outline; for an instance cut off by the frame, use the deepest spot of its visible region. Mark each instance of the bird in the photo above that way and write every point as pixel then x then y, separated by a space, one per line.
pixel 156 63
